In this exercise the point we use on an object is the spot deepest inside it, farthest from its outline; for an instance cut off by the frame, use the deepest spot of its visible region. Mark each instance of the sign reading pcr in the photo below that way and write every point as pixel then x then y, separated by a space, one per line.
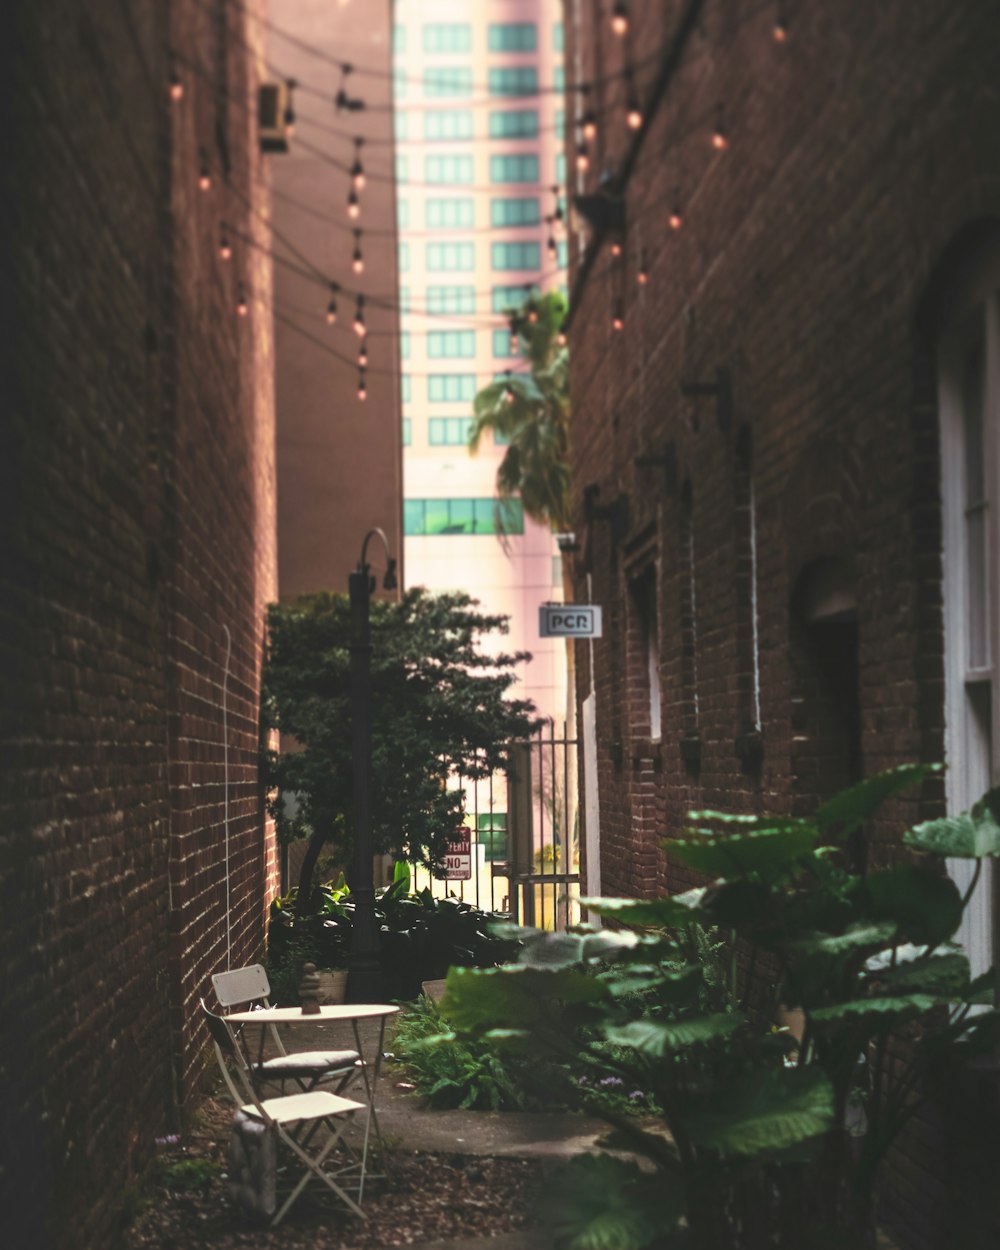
pixel 569 620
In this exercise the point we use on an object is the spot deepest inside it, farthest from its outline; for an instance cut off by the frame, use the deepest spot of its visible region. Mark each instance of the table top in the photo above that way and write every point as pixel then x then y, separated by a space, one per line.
pixel 326 1013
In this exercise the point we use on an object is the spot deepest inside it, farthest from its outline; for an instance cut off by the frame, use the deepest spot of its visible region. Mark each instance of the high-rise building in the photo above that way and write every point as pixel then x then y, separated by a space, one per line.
pixel 478 91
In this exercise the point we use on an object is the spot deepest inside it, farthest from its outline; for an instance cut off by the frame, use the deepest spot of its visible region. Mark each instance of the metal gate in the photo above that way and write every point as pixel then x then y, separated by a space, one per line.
pixel 524 827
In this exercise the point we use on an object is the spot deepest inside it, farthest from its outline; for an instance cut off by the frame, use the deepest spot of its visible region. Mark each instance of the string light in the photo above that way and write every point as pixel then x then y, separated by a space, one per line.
pixel 514 340
pixel 561 338
pixel 589 126
pixel 362 389
pixel 618 316
pixel 363 353
pixel 619 17
pixel 582 157
pixel 616 247
pixel 633 115
pixel 550 247
pixel 676 218
pixel 557 212
pixel 720 140
pixel 508 390
pixel 532 311
pixel 225 247
pixel 357 169
pixel 175 86
pixel 353 207
pixel 779 30
pixel 359 317
pixel 331 308
pixel 642 277
pixel 204 173
pixel 357 260
pixel 242 307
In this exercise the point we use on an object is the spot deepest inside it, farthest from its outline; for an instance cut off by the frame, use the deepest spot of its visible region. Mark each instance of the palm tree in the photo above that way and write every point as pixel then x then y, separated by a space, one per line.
pixel 529 411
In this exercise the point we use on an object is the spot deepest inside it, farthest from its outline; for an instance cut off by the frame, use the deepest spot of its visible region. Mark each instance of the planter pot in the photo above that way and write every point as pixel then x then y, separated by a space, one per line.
pixel 332 985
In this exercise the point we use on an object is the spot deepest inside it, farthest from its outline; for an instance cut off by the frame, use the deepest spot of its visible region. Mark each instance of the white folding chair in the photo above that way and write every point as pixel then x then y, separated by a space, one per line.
pixel 307 1068
pixel 295 1119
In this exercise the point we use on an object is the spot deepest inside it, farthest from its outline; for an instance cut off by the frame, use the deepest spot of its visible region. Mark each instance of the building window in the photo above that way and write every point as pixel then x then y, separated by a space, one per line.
pixel 520 167
pixel 514 124
pixel 402 213
pixel 406 388
pixel 454 170
pixel 560 123
pixel 507 299
pixel 398 37
pixel 503 344
pixel 404 344
pixel 449 214
pixel 491 832
pixel 558 39
pixel 561 168
pixel 400 125
pixel 451 257
pixel 423 517
pixel 447 37
pixel 451 388
pixel 515 255
pixel 562 253
pixel 448 124
pixel 451 300
pixel 559 78
pixel 454 344
pixel 513 80
pixel 407 431
pixel 404 299
pixel 402 169
pixel 448 431
pixel 399 84
pixel 404 257
pixel 646 639
pixel 513 37
pixel 969 404
pixel 448 80
pixel 515 212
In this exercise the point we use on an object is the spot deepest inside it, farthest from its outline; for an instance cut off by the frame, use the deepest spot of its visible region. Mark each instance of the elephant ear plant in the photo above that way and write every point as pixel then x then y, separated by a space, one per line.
pixel 765 1139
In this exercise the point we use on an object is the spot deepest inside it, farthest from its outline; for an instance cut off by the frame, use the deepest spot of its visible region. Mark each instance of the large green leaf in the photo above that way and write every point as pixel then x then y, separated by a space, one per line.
pixel 768 853
pixel 886 1009
pixel 946 975
pixel 764 1111
pixel 662 1037
pixel 513 996
pixel 599 1202
pixel 852 808
pixel 926 907
pixel 858 936
pixel 665 913
pixel 972 835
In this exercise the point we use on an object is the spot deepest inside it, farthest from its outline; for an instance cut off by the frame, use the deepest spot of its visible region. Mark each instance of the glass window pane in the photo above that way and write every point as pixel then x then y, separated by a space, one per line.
pixel 413 516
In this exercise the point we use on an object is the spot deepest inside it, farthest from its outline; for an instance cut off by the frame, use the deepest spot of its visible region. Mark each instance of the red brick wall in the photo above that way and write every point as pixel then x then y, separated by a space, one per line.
pixel 858 151
pixel 137 506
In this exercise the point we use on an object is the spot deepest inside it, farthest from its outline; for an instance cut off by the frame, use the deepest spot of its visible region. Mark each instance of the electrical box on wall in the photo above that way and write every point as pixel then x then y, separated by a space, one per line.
pixel 272 107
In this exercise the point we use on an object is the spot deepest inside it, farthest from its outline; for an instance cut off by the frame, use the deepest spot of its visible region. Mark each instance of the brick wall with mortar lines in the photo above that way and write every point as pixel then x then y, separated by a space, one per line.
pixel 137 502
pixel 858 151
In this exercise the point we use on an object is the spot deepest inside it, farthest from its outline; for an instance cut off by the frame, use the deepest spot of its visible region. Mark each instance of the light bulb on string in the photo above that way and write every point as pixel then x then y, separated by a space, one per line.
pixel 642 276
pixel 514 339
pixel 242 306
pixel 618 316
pixel 359 317
pixel 362 388
pixel 551 248
pixel 561 337
pixel 357 260
pixel 204 173
pixel 289 117
pixel 353 207
pixel 175 86
pixel 720 139
pixel 616 247
pixel 508 390
pixel 619 18
pixel 675 218
pixel 331 308
pixel 779 28
pixel 588 126
pixel 532 311
pixel 357 169
pixel 225 247
pixel 363 353
pixel 582 157
pixel 633 115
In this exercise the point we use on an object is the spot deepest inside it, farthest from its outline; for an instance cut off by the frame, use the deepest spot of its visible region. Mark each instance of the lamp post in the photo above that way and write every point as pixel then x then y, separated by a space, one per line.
pixel 364 981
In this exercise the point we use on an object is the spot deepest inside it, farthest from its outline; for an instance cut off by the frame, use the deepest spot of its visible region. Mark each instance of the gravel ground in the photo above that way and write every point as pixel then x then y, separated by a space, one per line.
pixel 428 1197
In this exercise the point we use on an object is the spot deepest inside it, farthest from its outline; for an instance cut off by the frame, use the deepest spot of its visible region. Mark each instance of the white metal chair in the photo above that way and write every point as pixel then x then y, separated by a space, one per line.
pixel 307 1068
pixel 295 1120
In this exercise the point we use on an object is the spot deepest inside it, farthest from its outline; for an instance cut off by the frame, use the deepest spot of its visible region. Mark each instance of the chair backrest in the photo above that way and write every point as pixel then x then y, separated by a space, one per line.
pixel 241 985
pixel 231 1062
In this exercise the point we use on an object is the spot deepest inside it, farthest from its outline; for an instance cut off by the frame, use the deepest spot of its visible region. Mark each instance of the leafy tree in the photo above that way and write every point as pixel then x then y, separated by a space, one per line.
pixel 439 707
pixel 530 412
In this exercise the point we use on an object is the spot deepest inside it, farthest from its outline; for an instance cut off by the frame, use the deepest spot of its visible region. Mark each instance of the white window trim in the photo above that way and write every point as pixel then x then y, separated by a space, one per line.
pixel 967 777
